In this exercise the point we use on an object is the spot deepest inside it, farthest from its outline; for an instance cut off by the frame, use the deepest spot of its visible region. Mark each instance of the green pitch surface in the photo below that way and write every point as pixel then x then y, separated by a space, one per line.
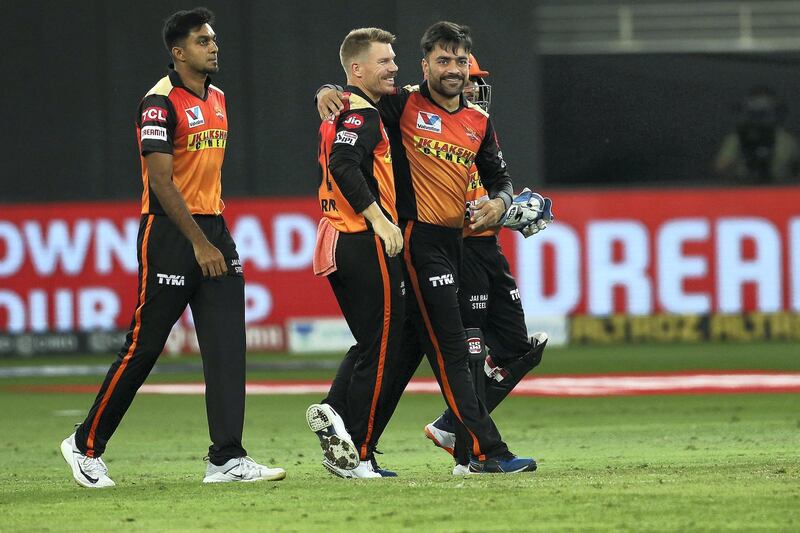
pixel 648 463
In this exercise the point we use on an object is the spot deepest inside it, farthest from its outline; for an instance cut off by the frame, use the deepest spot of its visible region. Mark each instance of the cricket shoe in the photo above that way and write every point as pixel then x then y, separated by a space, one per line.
pixel 89 472
pixel 382 471
pixel 437 432
pixel 337 446
pixel 241 469
pixel 508 463
pixel 461 470
pixel 364 470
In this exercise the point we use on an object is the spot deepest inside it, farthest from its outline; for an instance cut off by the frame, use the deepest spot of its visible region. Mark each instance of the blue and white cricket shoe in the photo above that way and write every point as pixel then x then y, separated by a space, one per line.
pixel 508 463
pixel 382 471
pixel 442 435
pixel 337 446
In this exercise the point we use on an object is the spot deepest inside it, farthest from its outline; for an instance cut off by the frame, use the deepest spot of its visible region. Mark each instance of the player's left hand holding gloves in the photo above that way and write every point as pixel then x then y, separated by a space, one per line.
pixel 529 213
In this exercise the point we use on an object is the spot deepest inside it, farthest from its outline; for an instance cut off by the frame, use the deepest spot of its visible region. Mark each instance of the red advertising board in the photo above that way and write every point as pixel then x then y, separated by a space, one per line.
pixel 73 266
pixel 694 251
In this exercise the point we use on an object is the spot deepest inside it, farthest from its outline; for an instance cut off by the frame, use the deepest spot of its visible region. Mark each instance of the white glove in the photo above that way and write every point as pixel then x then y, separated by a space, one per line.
pixel 525 208
pixel 534 227
pixel 529 213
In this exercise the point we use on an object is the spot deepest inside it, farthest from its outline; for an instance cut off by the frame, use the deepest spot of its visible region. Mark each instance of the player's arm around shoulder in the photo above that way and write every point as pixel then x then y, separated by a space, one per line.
pixel 391 106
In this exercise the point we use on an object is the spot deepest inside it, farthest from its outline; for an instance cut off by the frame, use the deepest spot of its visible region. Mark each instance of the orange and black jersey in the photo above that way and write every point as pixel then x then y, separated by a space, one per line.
pixel 174 120
pixel 355 164
pixel 476 192
pixel 434 151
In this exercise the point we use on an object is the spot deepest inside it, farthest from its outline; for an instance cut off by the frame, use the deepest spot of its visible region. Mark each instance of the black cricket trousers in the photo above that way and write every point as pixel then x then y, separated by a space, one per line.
pixel 169 279
pixel 489 300
pixel 432 259
pixel 369 287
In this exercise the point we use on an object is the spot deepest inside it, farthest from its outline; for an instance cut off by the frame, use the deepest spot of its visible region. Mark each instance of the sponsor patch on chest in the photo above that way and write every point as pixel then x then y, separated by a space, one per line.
pixel 429 122
pixel 194 115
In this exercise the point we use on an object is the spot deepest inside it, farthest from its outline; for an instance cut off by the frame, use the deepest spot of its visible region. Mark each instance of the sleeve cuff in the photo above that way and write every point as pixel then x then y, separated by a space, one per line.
pixel 507 199
pixel 328 86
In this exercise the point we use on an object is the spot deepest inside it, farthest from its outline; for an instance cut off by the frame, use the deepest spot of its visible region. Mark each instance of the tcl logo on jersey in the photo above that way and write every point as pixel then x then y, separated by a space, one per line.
pixel 429 122
pixel 195 116
pixel 353 122
pixel 158 114
pixel 440 281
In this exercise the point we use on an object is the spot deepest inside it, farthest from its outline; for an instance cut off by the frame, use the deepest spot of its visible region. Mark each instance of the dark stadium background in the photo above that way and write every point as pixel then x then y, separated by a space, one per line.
pixel 73 73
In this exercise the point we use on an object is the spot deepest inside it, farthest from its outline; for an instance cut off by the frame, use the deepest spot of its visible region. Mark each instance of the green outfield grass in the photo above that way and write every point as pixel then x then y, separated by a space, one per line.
pixel 650 463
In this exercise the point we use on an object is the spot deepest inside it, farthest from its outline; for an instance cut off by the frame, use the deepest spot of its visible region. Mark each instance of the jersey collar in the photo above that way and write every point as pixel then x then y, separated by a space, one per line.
pixel 426 92
pixel 355 90
pixel 176 81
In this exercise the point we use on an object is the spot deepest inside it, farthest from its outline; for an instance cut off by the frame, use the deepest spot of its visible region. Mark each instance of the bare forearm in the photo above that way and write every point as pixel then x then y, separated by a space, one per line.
pixel 175 207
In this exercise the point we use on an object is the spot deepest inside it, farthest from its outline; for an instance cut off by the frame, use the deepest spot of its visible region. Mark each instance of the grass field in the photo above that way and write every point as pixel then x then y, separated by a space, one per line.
pixel 640 463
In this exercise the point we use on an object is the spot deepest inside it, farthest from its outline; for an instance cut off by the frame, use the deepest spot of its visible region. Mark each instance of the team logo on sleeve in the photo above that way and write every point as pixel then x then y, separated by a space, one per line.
pixel 353 122
pixel 218 112
pixel 195 116
pixel 429 122
pixel 154 114
pixel 346 137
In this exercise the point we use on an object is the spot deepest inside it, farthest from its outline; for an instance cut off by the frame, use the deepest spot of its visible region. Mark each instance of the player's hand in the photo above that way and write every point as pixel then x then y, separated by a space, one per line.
pixel 210 259
pixel 330 103
pixel 486 214
pixel 390 234
pixel 534 227
pixel 542 211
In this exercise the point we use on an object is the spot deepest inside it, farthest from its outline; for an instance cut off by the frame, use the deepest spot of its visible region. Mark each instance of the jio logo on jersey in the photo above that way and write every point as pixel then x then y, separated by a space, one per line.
pixel 429 122
pixel 194 115
pixel 353 122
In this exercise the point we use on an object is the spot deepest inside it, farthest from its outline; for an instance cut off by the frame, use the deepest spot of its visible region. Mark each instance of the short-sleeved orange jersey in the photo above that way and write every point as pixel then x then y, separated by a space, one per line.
pixel 174 120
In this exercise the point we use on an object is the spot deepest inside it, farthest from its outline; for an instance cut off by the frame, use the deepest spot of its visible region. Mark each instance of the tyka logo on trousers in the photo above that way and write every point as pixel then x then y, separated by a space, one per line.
pixel 171 279
pixel 440 281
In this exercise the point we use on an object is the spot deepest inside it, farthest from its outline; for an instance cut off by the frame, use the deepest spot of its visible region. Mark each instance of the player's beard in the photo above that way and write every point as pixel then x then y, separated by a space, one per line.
pixel 438 86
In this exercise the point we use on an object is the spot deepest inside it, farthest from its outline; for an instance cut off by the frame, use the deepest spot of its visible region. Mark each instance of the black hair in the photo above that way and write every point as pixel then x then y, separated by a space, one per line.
pixel 179 25
pixel 449 35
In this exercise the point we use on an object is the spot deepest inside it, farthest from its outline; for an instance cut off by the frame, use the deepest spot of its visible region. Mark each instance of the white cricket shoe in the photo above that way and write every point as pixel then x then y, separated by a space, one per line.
pixel 461 470
pixel 364 470
pixel 89 472
pixel 443 439
pixel 337 446
pixel 241 469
